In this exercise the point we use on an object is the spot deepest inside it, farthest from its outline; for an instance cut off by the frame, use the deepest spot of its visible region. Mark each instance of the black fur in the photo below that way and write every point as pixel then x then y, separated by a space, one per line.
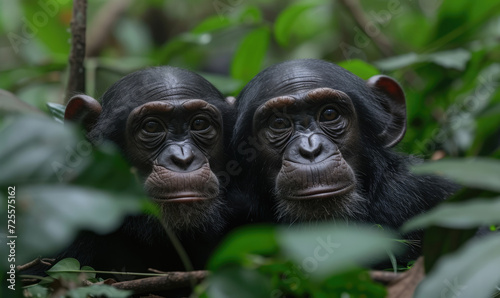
pixel 392 193
pixel 141 242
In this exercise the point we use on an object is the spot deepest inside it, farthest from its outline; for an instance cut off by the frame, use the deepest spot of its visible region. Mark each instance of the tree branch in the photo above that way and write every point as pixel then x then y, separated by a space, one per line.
pixel 171 280
pixel 103 24
pixel 35 262
pixel 76 82
pixel 356 10
pixel 406 284
pixel 384 277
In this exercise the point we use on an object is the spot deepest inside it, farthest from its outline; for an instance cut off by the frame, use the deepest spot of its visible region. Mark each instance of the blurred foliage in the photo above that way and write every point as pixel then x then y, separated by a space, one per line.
pixel 446 54
pixel 49 164
pixel 322 260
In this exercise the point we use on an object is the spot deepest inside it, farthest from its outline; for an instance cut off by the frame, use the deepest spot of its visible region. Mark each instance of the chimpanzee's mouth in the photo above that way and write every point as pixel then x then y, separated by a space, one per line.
pixel 321 192
pixel 181 197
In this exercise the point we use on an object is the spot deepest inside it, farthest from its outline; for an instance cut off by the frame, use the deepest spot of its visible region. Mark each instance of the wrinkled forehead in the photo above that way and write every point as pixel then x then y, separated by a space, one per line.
pixel 167 92
pixel 138 90
pixel 170 86
pixel 297 79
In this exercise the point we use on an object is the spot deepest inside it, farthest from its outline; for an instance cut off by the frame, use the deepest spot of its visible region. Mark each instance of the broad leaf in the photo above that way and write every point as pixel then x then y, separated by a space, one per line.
pixel 364 286
pixel 211 24
pixel 63 268
pixel 359 68
pixel 469 214
pixel 250 54
pixel 284 22
pixel 321 250
pixel 482 173
pixel 398 62
pixel 470 272
pixel 246 283
pixel 456 58
pixel 46 20
pixel 51 215
pixel 57 111
pixel 253 240
pixel 33 155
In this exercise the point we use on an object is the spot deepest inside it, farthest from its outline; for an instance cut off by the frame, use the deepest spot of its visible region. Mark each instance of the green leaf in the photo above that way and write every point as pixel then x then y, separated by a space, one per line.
pixel 51 215
pixel 470 272
pixel 89 275
pixel 458 20
pixel 253 240
pixel 482 173
pixel 61 268
pixel 57 111
pixel 407 25
pixel 325 249
pixel 37 291
pixel 47 22
pixel 246 283
pixel 33 155
pixel 397 62
pixel 99 291
pixel 456 58
pixel 250 15
pixel 284 22
pixel 226 85
pixel 354 283
pixel 287 277
pixel 211 24
pixel 48 152
pixel 469 214
pixel 107 171
pixel 360 68
pixel 180 45
pixel 250 54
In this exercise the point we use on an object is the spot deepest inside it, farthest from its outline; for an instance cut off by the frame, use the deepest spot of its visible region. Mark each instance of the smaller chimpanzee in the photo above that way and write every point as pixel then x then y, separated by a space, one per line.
pixel 173 126
pixel 315 142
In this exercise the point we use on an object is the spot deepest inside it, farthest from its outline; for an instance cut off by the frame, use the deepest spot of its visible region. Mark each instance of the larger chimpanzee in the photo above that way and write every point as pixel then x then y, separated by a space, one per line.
pixel 173 126
pixel 315 142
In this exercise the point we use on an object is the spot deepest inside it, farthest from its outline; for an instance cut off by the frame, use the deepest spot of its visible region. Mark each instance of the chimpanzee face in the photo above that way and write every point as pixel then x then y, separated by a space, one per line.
pixel 169 124
pixel 309 119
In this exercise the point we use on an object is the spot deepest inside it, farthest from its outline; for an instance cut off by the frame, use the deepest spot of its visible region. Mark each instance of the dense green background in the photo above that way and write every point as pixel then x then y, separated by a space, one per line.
pixel 446 55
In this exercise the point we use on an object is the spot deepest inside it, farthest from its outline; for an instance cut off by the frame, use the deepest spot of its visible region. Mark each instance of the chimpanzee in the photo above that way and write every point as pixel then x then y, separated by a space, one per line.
pixel 173 126
pixel 316 141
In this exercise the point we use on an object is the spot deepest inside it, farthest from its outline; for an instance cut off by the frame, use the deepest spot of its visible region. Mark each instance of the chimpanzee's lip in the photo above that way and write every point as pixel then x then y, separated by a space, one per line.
pixel 321 192
pixel 181 197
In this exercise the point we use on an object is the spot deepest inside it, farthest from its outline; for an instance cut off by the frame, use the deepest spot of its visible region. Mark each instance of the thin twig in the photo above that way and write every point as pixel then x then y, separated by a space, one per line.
pixel 76 82
pixel 406 284
pixel 178 246
pixel 381 41
pixel 44 261
pixel 384 277
pixel 156 271
pixel 171 280
pixel 102 26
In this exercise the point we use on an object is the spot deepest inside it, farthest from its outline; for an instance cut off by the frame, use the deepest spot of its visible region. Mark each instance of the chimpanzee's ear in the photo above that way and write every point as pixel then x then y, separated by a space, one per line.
pixel 83 109
pixel 394 104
